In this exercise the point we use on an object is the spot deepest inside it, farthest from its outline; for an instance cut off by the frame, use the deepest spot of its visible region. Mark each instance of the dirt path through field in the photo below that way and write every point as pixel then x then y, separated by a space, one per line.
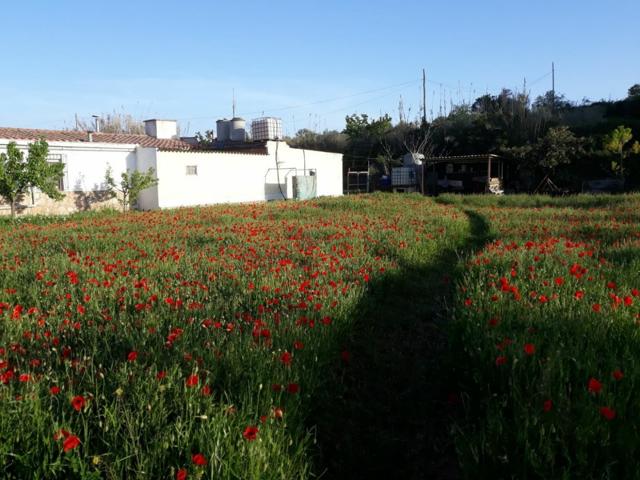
pixel 392 421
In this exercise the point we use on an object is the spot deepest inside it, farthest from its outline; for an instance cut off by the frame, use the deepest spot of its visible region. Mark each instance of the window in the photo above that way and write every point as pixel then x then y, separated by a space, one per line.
pixel 192 170
pixel 57 158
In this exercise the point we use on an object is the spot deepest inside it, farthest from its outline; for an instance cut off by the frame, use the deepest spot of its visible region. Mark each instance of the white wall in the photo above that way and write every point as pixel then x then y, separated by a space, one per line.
pixel 328 166
pixel 234 177
pixel 146 158
pixel 87 163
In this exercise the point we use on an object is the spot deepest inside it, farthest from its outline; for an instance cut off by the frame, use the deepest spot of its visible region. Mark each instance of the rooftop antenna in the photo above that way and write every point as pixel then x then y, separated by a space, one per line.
pixel 233 107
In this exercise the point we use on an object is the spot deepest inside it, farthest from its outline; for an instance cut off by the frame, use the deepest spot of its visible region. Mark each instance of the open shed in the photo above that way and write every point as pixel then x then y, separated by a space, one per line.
pixel 464 174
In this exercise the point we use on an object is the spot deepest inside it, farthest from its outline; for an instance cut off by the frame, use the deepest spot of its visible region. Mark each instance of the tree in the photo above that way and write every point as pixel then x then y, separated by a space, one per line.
pixel 634 91
pixel 558 147
pixel 18 176
pixel 131 184
pixel 206 140
pixel 618 142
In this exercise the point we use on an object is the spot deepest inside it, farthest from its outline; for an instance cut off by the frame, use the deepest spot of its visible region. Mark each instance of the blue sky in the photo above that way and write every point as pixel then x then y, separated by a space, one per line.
pixel 310 62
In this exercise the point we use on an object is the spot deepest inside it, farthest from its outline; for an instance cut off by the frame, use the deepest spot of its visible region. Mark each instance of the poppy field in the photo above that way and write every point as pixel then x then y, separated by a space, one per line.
pixel 192 343
pixel 338 338
pixel 545 337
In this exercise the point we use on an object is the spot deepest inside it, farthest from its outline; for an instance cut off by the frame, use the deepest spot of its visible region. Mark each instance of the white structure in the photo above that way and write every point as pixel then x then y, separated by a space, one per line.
pixel 266 128
pixel 188 176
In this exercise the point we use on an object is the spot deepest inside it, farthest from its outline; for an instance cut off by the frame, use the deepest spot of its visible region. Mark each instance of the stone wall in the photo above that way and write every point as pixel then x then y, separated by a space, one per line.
pixel 40 204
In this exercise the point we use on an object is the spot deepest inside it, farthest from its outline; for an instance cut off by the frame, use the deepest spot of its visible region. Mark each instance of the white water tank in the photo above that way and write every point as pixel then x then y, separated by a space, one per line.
pixel 237 131
pixel 266 128
pixel 223 129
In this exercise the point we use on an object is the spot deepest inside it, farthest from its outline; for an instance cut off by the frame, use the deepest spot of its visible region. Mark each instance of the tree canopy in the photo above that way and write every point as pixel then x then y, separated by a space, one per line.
pixel 18 177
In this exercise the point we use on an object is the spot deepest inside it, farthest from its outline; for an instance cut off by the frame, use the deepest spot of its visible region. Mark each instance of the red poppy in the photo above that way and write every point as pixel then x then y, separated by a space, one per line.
pixel 501 360
pixel 298 345
pixel 578 295
pixel 608 413
pixel 198 459
pixel 192 381
pixel 529 348
pixel 132 356
pixel 250 433
pixel 617 374
pixel 161 374
pixel 54 390
pixel 206 390
pixel 78 402
pixel 70 443
pixel 596 307
pixel 594 386
pixel 547 406
pixel 181 474
pixel 25 377
pixel 293 388
pixel 285 358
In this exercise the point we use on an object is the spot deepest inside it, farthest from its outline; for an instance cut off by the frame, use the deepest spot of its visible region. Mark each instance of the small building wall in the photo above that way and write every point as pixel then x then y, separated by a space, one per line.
pixel 40 204
pixel 146 159
pixel 234 177
pixel 84 174
pixel 328 166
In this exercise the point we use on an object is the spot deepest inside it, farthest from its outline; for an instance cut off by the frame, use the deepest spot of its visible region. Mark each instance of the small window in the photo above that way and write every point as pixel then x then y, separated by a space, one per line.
pixel 192 170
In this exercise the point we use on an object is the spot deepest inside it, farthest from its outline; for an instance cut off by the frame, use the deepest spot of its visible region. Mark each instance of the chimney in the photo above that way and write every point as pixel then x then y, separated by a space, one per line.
pixel 89 136
pixel 161 128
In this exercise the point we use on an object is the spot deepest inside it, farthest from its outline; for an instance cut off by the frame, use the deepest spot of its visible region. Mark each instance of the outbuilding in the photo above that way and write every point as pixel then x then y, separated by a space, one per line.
pixel 188 174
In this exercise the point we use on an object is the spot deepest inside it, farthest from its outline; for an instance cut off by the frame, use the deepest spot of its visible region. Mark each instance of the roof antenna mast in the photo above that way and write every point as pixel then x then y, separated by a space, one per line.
pixel 233 105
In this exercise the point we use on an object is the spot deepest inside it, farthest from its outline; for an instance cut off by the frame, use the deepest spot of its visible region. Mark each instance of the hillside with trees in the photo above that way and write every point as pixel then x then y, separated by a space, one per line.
pixel 549 135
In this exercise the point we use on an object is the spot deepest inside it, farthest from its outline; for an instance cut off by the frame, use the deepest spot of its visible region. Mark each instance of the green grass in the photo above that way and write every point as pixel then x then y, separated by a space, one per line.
pixel 419 338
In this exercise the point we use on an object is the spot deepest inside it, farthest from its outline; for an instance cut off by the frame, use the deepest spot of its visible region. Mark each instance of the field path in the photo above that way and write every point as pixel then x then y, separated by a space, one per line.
pixel 393 419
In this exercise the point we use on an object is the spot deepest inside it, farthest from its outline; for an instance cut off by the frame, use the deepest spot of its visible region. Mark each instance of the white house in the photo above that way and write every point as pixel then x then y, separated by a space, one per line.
pixel 187 174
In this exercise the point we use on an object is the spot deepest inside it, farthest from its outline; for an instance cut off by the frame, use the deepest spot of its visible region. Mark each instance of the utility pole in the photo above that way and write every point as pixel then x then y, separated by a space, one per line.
pixel 553 87
pixel 424 97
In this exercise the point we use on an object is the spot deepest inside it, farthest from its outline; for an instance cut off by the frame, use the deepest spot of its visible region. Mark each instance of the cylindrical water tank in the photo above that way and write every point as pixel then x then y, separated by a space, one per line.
pixel 266 128
pixel 222 130
pixel 237 129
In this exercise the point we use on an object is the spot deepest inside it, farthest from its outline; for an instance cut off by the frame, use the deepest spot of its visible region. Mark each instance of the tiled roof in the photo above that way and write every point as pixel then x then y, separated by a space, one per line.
pixel 80 136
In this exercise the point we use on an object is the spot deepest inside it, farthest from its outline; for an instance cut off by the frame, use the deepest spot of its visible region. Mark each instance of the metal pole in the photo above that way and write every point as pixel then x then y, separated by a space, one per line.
pixel 553 87
pixel 424 97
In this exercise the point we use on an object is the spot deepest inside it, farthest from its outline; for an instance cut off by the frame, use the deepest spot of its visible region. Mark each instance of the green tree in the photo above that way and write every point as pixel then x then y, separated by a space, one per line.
pixel 559 146
pixel 18 176
pixel 131 184
pixel 618 142
pixel 634 91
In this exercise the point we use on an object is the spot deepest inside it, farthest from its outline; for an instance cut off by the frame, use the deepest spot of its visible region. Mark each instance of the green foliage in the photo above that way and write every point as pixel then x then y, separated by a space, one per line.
pixel 327 141
pixel 130 186
pixel 618 142
pixel 18 176
pixel 206 139
pixel 559 146
pixel 359 127
pixel 549 304
pixel 634 91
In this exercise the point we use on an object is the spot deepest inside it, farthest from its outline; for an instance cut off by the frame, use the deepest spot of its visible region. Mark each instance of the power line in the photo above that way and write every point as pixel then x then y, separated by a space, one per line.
pixel 317 102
